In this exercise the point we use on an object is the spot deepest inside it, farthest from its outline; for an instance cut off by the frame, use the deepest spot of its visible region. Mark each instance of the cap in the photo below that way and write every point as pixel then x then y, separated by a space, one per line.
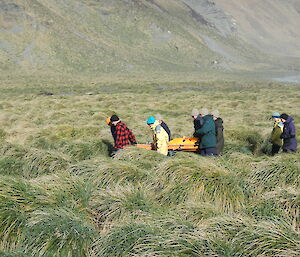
pixel 215 113
pixel 114 118
pixel 204 112
pixel 151 120
pixel 195 112
pixel 276 115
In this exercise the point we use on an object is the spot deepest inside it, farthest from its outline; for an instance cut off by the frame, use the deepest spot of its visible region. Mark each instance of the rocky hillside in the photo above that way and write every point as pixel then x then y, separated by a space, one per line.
pixel 108 36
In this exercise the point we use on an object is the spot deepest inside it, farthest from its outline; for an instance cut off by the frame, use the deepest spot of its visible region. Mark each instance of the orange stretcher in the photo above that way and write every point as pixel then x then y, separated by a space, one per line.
pixel 187 144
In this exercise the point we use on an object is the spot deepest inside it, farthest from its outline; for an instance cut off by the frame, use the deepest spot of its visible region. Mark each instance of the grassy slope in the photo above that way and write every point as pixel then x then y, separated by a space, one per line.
pixel 61 194
pixel 122 36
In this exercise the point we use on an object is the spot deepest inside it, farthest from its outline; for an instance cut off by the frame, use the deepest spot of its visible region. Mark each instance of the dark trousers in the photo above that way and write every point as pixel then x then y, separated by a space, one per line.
pixel 210 151
pixel 114 152
pixel 275 149
pixel 289 151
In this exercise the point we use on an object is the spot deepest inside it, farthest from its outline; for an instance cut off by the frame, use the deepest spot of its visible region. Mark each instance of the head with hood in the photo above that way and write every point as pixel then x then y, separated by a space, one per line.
pixel 284 117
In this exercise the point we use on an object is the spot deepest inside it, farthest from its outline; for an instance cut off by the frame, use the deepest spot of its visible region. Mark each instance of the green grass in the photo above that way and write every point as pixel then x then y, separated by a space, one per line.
pixel 62 195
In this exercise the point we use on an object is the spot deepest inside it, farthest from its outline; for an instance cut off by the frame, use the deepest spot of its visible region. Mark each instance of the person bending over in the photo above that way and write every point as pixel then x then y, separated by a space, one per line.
pixel 124 136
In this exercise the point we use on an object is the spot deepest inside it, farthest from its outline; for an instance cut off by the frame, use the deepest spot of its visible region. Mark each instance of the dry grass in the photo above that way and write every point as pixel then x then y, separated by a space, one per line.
pixel 56 173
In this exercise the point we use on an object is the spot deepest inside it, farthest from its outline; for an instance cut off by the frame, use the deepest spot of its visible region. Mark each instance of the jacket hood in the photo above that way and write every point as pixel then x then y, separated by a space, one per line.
pixel 289 119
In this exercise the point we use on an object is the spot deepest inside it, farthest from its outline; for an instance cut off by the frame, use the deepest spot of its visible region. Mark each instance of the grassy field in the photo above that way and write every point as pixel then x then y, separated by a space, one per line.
pixel 62 195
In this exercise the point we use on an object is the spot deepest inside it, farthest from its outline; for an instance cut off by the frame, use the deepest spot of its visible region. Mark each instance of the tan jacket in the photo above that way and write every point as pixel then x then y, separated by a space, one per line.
pixel 160 138
pixel 276 132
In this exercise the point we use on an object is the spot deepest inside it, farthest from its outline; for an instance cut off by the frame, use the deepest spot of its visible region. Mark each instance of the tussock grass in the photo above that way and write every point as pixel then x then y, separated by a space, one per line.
pixel 140 157
pixel 18 199
pixel 66 190
pixel 269 238
pixel 12 253
pixel 122 202
pixel 281 171
pixel 30 163
pixel 62 195
pixel 282 203
pixel 194 177
pixel 78 150
pixel 58 232
pixel 122 240
pixel 118 172
pixel 248 140
pixel 2 134
pixel 250 238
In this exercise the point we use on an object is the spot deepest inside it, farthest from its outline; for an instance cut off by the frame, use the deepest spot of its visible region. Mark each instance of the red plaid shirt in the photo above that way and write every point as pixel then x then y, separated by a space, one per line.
pixel 124 136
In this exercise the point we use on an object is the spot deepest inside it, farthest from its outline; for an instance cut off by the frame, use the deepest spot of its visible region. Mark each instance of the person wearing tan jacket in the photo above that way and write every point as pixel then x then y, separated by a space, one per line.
pixel 276 133
pixel 160 136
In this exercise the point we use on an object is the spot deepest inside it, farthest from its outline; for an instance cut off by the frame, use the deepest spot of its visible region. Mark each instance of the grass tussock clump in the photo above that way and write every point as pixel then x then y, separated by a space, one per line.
pixel 77 150
pixel 282 204
pixel 37 163
pixel 13 253
pixel 268 238
pixel 144 159
pixel 124 240
pixel 247 140
pixel 58 232
pixel 30 163
pixel 66 190
pixel 122 202
pixel 248 237
pixel 2 134
pixel 11 166
pixel 197 211
pixel 18 199
pixel 194 177
pixel 282 171
pixel 115 172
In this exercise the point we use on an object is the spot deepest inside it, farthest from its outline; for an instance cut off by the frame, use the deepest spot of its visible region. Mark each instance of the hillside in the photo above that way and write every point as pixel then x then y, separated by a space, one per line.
pixel 104 36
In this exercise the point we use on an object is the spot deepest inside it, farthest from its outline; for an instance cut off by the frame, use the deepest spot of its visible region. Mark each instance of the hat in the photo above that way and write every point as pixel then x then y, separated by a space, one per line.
pixel 195 112
pixel 114 118
pixel 215 113
pixel 276 115
pixel 158 116
pixel 107 120
pixel 151 120
pixel 204 112
pixel 284 116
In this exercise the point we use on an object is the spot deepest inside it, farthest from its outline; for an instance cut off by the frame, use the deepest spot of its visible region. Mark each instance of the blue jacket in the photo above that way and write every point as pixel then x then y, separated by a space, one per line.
pixel 289 135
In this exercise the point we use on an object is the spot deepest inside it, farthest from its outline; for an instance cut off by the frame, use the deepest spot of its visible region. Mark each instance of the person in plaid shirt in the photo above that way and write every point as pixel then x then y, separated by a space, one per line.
pixel 124 135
